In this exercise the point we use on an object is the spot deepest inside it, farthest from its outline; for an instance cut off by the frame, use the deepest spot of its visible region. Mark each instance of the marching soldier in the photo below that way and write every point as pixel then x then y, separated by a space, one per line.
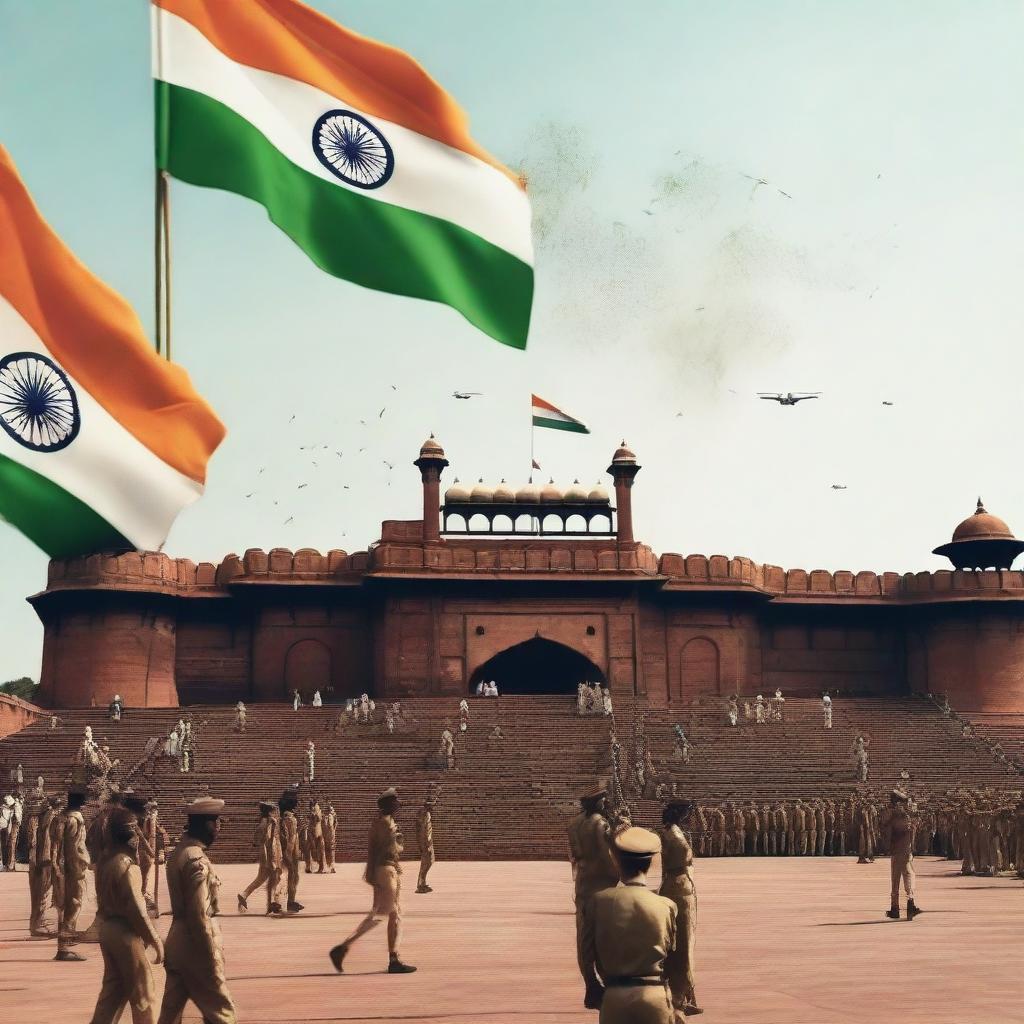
pixel 268 851
pixel 194 958
pixel 330 835
pixel 425 838
pixel 291 855
pixel 820 825
pixel 43 865
pixel 153 844
pixel 125 928
pixel 787 834
pixel 56 840
pixel 34 812
pixel 800 828
pixel 898 830
pixel 677 885
pixel 628 931
pixel 865 835
pixel 74 864
pixel 315 837
pixel 384 873
pixel 593 863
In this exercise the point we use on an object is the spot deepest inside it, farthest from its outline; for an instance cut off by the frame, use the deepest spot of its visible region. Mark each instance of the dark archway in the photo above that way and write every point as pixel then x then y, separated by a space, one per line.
pixel 538 666
pixel 307 668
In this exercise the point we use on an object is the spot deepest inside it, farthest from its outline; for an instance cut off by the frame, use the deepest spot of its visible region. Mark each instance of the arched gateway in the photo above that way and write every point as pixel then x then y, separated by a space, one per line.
pixel 538 666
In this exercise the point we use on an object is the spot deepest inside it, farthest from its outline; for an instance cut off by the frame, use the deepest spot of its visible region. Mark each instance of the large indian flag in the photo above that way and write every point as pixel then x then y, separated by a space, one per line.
pixel 102 442
pixel 356 153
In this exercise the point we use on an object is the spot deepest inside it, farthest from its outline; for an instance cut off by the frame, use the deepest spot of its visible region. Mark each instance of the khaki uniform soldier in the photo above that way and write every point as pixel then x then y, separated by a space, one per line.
pixel 677 885
pixel 74 864
pixel 628 931
pixel 125 928
pixel 315 838
pixel 153 844
pixel 42 867
pixel 718 829
pixel 330 836
pixel 768 835
pixel 594 867
pixel 13 828
pixel 898 831
pixel 811 826
pixel 753 823
pixel 820 828
pixel 195 958
pixel 702 831
pixel 57 856
pixel 384 873
pixel 291 854
pixel 268 851
pixel 865 834
pixel 787 836
pixel 425 839
pixel 34 812
pixel 800 828
pixel 738 830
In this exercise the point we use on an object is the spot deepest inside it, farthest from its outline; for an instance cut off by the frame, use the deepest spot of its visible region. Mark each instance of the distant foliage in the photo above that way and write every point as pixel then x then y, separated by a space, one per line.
pixel 24 688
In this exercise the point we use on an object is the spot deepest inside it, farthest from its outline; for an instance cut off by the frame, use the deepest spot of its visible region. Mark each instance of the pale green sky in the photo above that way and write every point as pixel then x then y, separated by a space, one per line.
pixel 891 273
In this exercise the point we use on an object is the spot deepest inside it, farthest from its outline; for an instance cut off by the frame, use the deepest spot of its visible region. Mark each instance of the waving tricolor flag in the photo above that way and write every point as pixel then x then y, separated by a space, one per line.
pixel 356 153
pixel 102 442
pixel 547 415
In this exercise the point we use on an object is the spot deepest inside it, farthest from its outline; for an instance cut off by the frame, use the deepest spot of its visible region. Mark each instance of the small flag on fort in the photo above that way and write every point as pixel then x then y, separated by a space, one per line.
pixel 534 464
pixel 547 415
pixel 355 152
pixel 102 441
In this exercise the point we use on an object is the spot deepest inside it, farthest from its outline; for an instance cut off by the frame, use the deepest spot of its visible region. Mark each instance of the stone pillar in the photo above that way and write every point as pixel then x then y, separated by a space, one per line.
pixel 623 469
pixel 431 462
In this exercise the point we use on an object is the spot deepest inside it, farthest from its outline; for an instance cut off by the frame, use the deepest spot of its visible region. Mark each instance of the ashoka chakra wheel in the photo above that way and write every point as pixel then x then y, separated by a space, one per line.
pixel 38 406
pixel 352 149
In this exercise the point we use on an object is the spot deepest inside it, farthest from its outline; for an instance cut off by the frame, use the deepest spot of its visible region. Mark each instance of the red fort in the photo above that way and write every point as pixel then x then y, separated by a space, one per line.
pixel 537 589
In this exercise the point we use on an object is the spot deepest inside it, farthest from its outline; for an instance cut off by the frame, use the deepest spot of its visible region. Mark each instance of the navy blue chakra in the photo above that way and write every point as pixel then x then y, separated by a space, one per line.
pixel 352 149
pixel 38 406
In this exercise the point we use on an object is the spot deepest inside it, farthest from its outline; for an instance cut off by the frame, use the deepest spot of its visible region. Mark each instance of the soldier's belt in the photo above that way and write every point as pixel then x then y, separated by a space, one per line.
pixel 628 982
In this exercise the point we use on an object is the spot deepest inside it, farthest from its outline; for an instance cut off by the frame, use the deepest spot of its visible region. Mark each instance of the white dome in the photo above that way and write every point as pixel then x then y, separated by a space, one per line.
pixel 551 493
pixel 576 494
pixel 456 493
pixel 482 492
pixel 529 493
pixel 598 495
pixel 503 492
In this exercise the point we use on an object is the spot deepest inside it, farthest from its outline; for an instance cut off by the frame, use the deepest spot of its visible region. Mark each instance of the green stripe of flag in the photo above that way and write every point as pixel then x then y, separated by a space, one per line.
pixel 367 241
pixel 52 518
pixel 576 428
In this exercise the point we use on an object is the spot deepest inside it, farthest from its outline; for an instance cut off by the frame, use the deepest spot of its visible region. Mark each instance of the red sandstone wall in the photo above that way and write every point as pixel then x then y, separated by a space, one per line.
pixel 88 656
pixel 15 714
pixel 974 654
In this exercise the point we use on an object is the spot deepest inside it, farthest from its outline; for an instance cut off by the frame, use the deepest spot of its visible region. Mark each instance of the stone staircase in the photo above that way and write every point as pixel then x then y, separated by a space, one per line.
pixel 510 798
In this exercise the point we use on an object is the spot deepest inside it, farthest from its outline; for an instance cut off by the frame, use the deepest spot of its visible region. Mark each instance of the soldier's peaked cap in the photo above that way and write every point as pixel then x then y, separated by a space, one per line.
pixel 389 794
pixel 593 794
pixel 205 806
pixel 267 805
pixel 133 801
pixel 77 791
pixel 898 794
pixel 637 842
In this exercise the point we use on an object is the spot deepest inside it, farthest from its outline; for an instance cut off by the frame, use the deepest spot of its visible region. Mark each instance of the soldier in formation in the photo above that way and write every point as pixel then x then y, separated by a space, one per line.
pixel 330 835
pixel 125 930
pixel 677 885
pixel 240 715
pixel 594 867
pixel 194 957
pixel 291 853
pixel 267 841
pixel 74 863
pixel 627 933
pixel 425 840
pixel 384 873
pixel 315 852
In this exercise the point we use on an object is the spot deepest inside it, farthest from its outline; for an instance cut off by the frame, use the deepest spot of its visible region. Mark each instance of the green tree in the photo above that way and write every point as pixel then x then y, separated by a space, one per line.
pixel 24 688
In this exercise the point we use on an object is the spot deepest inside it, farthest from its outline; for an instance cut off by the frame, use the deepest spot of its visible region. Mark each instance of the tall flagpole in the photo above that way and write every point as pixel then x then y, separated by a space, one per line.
pixel 162 213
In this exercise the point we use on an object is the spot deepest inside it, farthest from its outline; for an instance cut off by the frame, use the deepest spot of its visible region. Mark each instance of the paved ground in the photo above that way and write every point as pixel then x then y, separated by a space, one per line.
pixel 780 942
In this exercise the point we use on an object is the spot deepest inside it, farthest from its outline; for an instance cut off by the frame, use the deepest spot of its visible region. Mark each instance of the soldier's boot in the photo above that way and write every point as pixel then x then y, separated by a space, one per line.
pixel 293 907
pixel 912 910
pixel 894 913
pixel 274 908
pixel 337 956
pixel 68 955
pixel 395 966
pixel 243 906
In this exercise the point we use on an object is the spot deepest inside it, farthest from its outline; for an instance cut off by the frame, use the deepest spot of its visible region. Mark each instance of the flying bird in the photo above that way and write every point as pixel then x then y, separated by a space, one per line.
pixel 381 413
pixel 394 387
pixel 790 398
pixel 887 403
pixel 839 487
pixel 781 193
pixel 390 465
pixel 339 454
pixel 299 488
pixel 292 418
pixel 465 394
pixel 288 520
pixel 363 422
pixel 650 213
pixel 260 470
pixel 250 495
